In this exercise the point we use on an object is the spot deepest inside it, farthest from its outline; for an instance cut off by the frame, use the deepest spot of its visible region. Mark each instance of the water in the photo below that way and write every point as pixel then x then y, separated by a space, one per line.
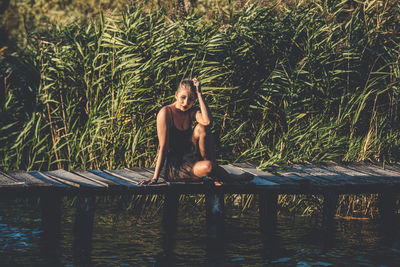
pixel 125 234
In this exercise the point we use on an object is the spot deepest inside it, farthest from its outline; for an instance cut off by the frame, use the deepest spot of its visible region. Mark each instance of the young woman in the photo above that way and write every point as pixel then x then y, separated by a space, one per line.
pixel 186 154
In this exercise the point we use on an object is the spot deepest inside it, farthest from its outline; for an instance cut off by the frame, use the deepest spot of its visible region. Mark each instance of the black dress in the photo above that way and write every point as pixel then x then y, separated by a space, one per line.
pixel 181 155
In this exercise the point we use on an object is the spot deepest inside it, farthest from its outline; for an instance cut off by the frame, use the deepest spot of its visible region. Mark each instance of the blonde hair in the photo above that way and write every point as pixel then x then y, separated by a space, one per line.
pixel 188 85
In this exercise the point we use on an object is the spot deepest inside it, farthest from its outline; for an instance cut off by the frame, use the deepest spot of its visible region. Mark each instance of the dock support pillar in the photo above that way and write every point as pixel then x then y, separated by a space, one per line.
pixel 50 205
pixel 83 228
pixel 170 214
pixel 329 210
pixel 215 214
pixel 169 225
pixel 268 209
pixel 387 209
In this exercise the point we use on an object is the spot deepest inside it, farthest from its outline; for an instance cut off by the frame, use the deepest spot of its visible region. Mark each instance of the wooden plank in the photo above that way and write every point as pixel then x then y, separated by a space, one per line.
pixel 6 180
pixel 260 178
pixel 314 180
pixel 127 175
pixel 359 177
pixel 113 178
pixel 143 172
pixel 63 181
pixel 379 171
pixel 349 177
pixel 73 178
pixel 278 176
pixel 149 172
pixel 95 178
pixel 46 179
pixel 28 179
pixel 273 179
pixel 231 169
pixel 293 178
pixel 392 167
pixel 333 178
pixel 375 177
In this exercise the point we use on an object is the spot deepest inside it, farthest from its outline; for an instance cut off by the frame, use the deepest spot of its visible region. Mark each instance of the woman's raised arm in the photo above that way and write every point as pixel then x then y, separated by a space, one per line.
pixel 203 116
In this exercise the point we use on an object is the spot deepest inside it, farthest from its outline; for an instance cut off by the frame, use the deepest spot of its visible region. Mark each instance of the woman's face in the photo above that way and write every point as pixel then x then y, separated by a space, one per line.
pixel 184 99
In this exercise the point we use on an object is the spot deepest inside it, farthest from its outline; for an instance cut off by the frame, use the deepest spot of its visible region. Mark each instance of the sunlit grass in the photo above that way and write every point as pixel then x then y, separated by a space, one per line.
pixel 302 82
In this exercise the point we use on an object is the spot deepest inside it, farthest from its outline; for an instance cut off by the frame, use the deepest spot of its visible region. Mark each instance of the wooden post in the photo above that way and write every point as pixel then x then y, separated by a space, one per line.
pixel 268 209
pixel 387 209
pixel 51 226
pixel 329 210
pixel 169 223
pixel 215 214
pixel 83 228
pixel 170 214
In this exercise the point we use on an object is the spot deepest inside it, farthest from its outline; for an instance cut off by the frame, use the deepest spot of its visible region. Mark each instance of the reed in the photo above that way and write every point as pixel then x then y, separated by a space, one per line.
pixel 293 82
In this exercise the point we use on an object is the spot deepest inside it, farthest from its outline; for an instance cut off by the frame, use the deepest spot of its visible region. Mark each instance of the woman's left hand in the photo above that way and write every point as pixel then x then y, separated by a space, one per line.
pixel 197 85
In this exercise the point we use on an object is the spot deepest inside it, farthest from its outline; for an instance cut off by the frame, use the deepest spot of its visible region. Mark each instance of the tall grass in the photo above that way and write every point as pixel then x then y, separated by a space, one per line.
pixel 311 82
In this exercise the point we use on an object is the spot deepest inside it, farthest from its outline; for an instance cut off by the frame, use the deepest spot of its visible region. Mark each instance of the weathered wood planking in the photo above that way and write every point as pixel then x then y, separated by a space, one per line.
pixel 260 178
pixel 72 179
pixel 332 178
pixel 93 177
pixel 128 175
pixel 274 178
pixel 361 176
pixel 6 180
pixel 353 177
pixel 48 180
pixel 26 178
pixel 292 178
pixel 114 179
pixel 377 171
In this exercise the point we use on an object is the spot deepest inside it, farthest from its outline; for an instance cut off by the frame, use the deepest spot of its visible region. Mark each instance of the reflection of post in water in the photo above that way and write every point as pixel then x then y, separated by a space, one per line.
pixel 328 222
pixel 83 228
pixel 169 223
pixel 329 211
pixel 215 228
pixel 51 226
pixel 215 214
pixel 388 221
pixel 268 210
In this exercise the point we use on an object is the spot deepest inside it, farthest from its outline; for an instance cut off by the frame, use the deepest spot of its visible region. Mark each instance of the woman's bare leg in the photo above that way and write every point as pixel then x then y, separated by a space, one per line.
pixel 208 166
pixel 203 137
pixel 219 174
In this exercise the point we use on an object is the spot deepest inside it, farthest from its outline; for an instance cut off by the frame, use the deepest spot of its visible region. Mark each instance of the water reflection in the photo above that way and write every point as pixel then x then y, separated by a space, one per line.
pixel 169 225
pixel 120 238
pixel 50 248
pixel 83 228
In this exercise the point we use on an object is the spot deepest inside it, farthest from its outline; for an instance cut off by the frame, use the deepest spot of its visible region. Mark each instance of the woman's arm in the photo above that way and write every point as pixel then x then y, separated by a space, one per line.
pixel 203 116
pixel 162 133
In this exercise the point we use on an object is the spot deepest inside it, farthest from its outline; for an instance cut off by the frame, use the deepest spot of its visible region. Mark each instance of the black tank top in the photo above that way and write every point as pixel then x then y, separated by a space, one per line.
pixel 180 141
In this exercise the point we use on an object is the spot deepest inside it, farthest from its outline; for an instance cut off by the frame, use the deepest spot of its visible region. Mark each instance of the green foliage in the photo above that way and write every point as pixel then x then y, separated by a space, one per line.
pixel 304 83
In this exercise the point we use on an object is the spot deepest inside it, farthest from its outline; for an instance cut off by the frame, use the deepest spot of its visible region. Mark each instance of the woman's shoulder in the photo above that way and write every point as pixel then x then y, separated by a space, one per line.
pixel 165 111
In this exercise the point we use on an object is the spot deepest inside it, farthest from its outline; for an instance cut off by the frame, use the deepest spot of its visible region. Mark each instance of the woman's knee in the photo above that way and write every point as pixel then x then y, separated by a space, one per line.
pixel 203 168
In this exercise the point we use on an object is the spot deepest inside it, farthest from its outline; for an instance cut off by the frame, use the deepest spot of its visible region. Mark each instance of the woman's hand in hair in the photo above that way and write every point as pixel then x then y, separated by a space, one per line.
pixel 196 84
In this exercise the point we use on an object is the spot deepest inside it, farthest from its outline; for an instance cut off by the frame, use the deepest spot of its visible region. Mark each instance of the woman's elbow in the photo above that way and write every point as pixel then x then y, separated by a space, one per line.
pixel 206 123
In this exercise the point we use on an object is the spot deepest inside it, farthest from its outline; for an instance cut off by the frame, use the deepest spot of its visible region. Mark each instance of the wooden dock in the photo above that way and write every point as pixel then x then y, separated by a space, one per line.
pixel 291 179
pixel 329 180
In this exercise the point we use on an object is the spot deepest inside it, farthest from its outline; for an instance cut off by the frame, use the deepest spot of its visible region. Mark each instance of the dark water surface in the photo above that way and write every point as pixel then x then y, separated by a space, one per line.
pixel 127 234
